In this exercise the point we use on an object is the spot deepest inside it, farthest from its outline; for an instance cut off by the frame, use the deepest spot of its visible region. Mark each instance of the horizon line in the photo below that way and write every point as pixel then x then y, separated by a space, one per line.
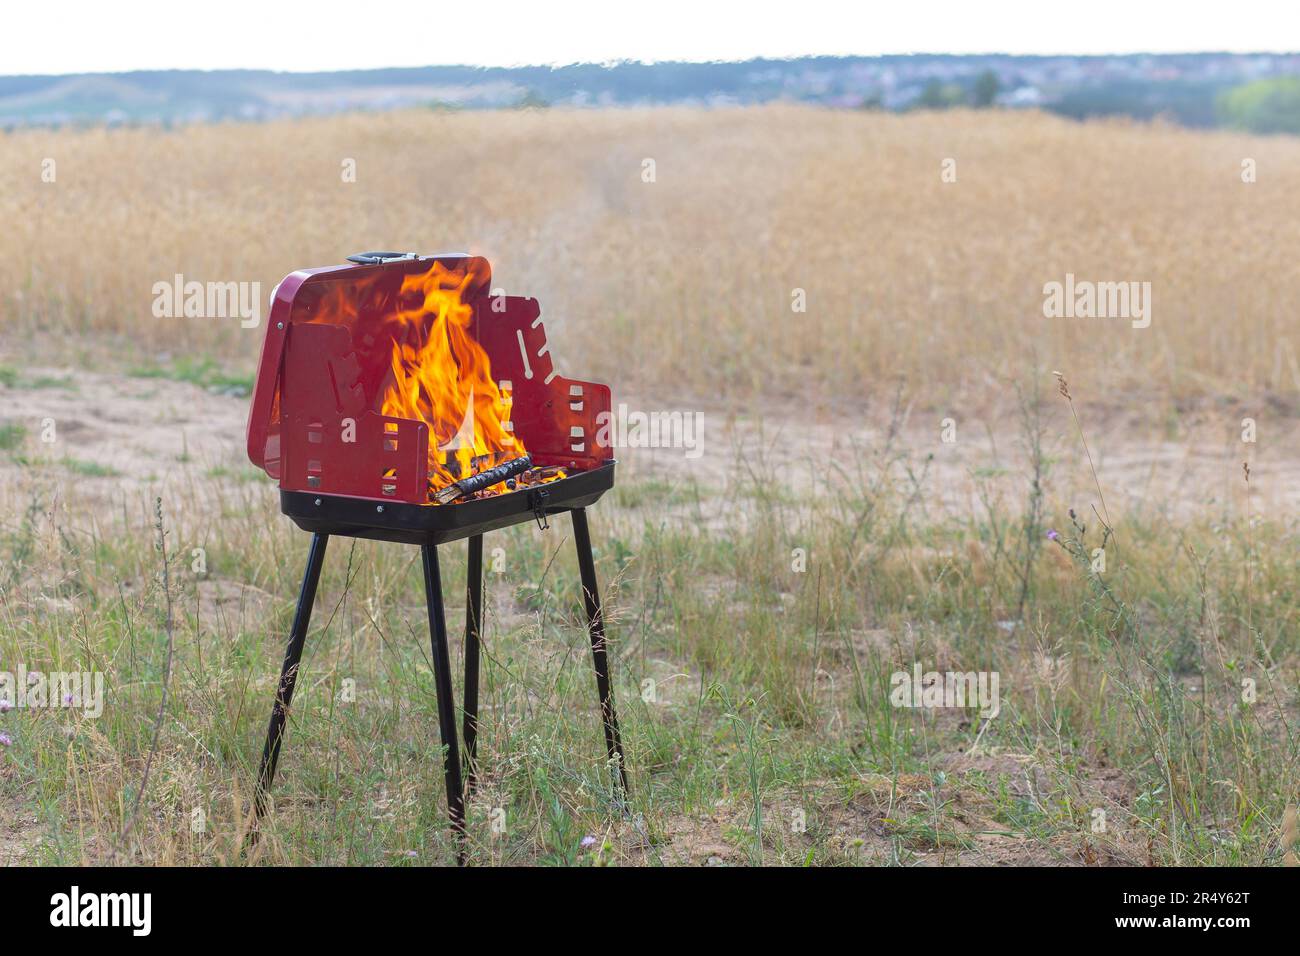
pixel 613 63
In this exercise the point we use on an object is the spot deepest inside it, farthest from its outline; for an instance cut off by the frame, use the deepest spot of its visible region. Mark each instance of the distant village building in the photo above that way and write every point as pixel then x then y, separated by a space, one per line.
pixel 1022 97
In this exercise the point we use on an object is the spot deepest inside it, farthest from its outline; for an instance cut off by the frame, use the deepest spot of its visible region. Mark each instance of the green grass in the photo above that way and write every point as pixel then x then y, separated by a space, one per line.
pixel 204 372
pixel 10 377
pixel 12 436
pixel 88 469
pixel 768 700
pixel 656 492
pixel 242 473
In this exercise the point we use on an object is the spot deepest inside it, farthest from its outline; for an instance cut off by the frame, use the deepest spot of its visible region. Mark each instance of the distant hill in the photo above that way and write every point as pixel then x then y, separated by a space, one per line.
pixel 1186 87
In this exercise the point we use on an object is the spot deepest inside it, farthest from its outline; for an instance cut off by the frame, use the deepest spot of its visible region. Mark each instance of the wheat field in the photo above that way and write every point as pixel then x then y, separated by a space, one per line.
pixel 685 284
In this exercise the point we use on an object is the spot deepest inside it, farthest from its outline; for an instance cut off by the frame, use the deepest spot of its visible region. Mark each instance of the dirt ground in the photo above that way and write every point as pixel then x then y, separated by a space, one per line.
pixel 115 434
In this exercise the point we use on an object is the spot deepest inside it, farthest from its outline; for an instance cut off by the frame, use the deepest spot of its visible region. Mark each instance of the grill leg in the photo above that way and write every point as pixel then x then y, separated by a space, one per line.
pixel 596 628
pixel 473 629
pixel 446 704
pixel 289 672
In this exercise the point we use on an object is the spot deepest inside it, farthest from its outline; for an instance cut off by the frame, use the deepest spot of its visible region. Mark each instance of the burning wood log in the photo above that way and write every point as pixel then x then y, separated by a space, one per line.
pixel 485 479
pixel 538 476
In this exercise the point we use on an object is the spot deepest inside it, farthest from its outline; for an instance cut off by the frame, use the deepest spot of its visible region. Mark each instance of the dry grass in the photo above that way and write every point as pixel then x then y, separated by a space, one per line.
pixel 1122 692
pixel 680 282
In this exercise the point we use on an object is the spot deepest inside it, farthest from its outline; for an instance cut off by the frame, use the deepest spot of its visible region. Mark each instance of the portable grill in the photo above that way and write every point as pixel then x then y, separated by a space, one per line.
pixel 346 468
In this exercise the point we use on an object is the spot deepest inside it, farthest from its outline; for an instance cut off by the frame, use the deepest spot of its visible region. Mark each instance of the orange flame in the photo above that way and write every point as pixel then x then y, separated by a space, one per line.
pixel 442 377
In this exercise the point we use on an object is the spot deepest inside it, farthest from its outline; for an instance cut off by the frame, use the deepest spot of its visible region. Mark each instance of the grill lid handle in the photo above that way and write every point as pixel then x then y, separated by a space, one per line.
pixel 375 258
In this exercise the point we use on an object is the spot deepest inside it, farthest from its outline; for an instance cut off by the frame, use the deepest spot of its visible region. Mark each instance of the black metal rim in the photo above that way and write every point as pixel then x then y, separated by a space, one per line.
pixel 401 521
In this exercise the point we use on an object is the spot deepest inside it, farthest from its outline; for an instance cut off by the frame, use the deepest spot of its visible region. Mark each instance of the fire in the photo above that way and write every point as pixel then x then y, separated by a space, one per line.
pixel 442 377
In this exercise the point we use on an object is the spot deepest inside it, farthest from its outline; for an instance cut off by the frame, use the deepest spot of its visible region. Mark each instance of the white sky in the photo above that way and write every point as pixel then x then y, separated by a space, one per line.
pixel 75 36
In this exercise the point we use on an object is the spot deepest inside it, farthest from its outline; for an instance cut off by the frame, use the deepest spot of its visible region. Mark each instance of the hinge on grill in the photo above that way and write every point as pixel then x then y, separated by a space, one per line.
pixel 537 501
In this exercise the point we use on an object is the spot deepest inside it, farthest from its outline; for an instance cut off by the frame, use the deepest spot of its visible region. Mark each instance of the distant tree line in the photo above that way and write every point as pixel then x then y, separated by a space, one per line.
pixel 981 93
pixel 1265 106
